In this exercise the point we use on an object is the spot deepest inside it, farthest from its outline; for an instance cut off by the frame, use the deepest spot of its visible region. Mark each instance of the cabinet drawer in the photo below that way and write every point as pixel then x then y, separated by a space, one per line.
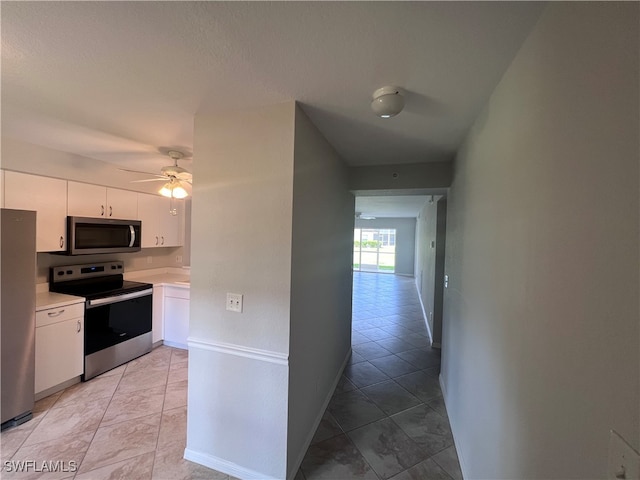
pixel 177 292
pixel 60 314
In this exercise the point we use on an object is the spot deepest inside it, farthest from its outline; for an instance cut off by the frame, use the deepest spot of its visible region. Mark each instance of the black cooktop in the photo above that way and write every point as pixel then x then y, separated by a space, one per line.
pixel 99 288
pixel 97 280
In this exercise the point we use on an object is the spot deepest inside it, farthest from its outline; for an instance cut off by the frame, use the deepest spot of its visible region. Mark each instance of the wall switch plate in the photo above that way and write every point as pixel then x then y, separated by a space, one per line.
pixel 234 302
pixel 624 460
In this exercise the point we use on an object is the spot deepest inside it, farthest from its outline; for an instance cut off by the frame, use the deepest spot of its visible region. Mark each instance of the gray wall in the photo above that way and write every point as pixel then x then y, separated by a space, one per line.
pixel 404 176
pixel 540 353
pixel 321 283
pixel 405 239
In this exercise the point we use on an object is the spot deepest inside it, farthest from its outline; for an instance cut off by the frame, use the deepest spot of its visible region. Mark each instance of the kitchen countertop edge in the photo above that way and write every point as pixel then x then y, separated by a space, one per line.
pixel 46 300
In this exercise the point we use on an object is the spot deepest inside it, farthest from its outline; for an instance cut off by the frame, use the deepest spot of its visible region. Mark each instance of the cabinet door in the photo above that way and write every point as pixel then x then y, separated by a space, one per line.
pixel 86 200
pixel 48 197
pixel 122 204
pixel 176 320
pixel 158 314
pixel 59 353
pixel 148 210
pixel 172 226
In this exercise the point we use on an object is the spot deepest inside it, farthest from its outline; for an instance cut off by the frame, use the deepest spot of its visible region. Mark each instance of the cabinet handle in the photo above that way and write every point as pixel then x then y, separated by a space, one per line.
pixel 162 243
pixel 79 326
pixel 157 240
pixel 102 210
pixel 61 242
pixel 110 210
pixel 56 314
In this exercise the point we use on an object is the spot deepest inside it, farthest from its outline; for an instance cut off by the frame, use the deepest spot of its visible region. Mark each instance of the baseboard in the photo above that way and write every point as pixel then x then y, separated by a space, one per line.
pixel 224 466
pixel 318 419
pixel 175 345
pixel 453 429
pixel 56 388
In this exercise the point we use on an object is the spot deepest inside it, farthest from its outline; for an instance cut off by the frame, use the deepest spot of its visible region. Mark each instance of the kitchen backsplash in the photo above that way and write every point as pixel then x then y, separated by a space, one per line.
pixel 143 260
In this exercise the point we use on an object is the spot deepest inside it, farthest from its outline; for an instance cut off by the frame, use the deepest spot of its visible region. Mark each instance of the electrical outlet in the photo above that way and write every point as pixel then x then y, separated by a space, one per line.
pixel 234 302
pixel 624 461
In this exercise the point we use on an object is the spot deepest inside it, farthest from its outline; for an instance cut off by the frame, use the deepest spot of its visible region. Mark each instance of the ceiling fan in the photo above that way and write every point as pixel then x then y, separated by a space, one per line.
pixel 175 177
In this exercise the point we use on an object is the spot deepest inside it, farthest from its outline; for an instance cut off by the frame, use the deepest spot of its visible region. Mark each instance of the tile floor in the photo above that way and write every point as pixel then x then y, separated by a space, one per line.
pixel 129 423
pixel 386 419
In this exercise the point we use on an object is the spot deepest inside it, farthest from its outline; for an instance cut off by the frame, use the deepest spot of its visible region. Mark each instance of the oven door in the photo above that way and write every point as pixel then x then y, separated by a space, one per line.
pixel 113 320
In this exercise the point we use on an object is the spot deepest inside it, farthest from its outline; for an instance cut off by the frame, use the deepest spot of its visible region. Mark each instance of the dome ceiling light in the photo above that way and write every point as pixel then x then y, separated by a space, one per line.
pixel 387 102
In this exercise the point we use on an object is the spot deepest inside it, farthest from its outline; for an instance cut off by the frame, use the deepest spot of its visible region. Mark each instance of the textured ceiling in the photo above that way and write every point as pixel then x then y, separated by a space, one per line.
pixel 122 81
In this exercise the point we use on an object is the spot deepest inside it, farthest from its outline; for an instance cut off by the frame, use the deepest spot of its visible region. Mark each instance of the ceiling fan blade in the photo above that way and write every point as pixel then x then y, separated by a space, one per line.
pixel 151 180
pixel 139 171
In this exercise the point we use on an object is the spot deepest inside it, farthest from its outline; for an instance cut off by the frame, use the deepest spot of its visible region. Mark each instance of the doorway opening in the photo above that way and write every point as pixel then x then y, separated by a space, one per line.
pixel 374 250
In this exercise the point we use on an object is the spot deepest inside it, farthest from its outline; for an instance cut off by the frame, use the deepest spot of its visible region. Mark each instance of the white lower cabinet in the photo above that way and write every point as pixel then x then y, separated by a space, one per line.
pixel 176 316
pixel 158 314
pixel 59 345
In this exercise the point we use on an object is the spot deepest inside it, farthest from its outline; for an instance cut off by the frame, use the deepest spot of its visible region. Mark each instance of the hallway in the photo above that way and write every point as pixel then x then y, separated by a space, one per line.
pixel 387 418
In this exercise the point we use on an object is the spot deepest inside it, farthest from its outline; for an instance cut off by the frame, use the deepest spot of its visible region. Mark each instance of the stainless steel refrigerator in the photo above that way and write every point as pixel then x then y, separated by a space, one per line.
pixel 17 314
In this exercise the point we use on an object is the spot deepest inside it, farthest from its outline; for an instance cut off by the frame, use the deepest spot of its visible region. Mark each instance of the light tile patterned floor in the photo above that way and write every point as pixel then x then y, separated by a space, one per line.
pixel 386 419
pixel 129 423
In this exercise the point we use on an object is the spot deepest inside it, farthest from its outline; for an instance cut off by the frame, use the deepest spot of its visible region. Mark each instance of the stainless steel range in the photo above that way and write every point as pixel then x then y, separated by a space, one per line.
pixel 117 315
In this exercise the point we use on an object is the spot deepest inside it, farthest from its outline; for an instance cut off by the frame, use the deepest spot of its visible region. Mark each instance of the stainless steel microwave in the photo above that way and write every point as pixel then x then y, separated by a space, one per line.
pixel 88 236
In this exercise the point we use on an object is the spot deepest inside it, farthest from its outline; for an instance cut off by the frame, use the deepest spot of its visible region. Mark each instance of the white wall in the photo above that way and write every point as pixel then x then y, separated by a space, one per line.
pixel 321 283
pixel 28 158
pixel 405 240
pixel 540 354
pixel 241 243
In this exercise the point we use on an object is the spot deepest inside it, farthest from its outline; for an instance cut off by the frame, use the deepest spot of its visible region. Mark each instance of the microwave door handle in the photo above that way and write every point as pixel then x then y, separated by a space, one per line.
pixel 133 235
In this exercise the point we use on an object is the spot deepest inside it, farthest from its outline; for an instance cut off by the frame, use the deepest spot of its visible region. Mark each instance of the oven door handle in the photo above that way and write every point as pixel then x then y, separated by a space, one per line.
pixel 118 298
pixel 133 235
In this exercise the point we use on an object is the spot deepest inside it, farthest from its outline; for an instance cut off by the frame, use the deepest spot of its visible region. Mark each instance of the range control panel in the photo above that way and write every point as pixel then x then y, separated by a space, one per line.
pixel 74 272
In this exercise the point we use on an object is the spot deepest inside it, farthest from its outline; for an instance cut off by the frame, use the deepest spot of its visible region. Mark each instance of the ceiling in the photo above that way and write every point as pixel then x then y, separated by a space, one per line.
pixel 122 82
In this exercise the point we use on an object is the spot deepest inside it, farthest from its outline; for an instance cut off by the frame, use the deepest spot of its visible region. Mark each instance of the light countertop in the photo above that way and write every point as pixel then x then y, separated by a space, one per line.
pixel 173 277
pixel 45 300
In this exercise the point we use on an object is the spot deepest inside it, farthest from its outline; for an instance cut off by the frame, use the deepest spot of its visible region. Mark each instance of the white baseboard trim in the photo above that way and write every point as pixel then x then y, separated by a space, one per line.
pixel 424 315
pixel 453 430
pixel 318 419
pixel 175 345
pixel 239 351
pixel 224 466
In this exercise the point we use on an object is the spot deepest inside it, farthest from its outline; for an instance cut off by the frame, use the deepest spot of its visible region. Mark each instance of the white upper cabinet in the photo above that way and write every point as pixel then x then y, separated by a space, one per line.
pixel 86 200
pixel 159 227
pixel 122 204
pixel 48 197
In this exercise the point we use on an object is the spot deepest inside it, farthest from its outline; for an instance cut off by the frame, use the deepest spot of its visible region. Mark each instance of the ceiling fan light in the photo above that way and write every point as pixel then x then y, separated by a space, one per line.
pixel 179 192
pixel 387 102
pixel 173 189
